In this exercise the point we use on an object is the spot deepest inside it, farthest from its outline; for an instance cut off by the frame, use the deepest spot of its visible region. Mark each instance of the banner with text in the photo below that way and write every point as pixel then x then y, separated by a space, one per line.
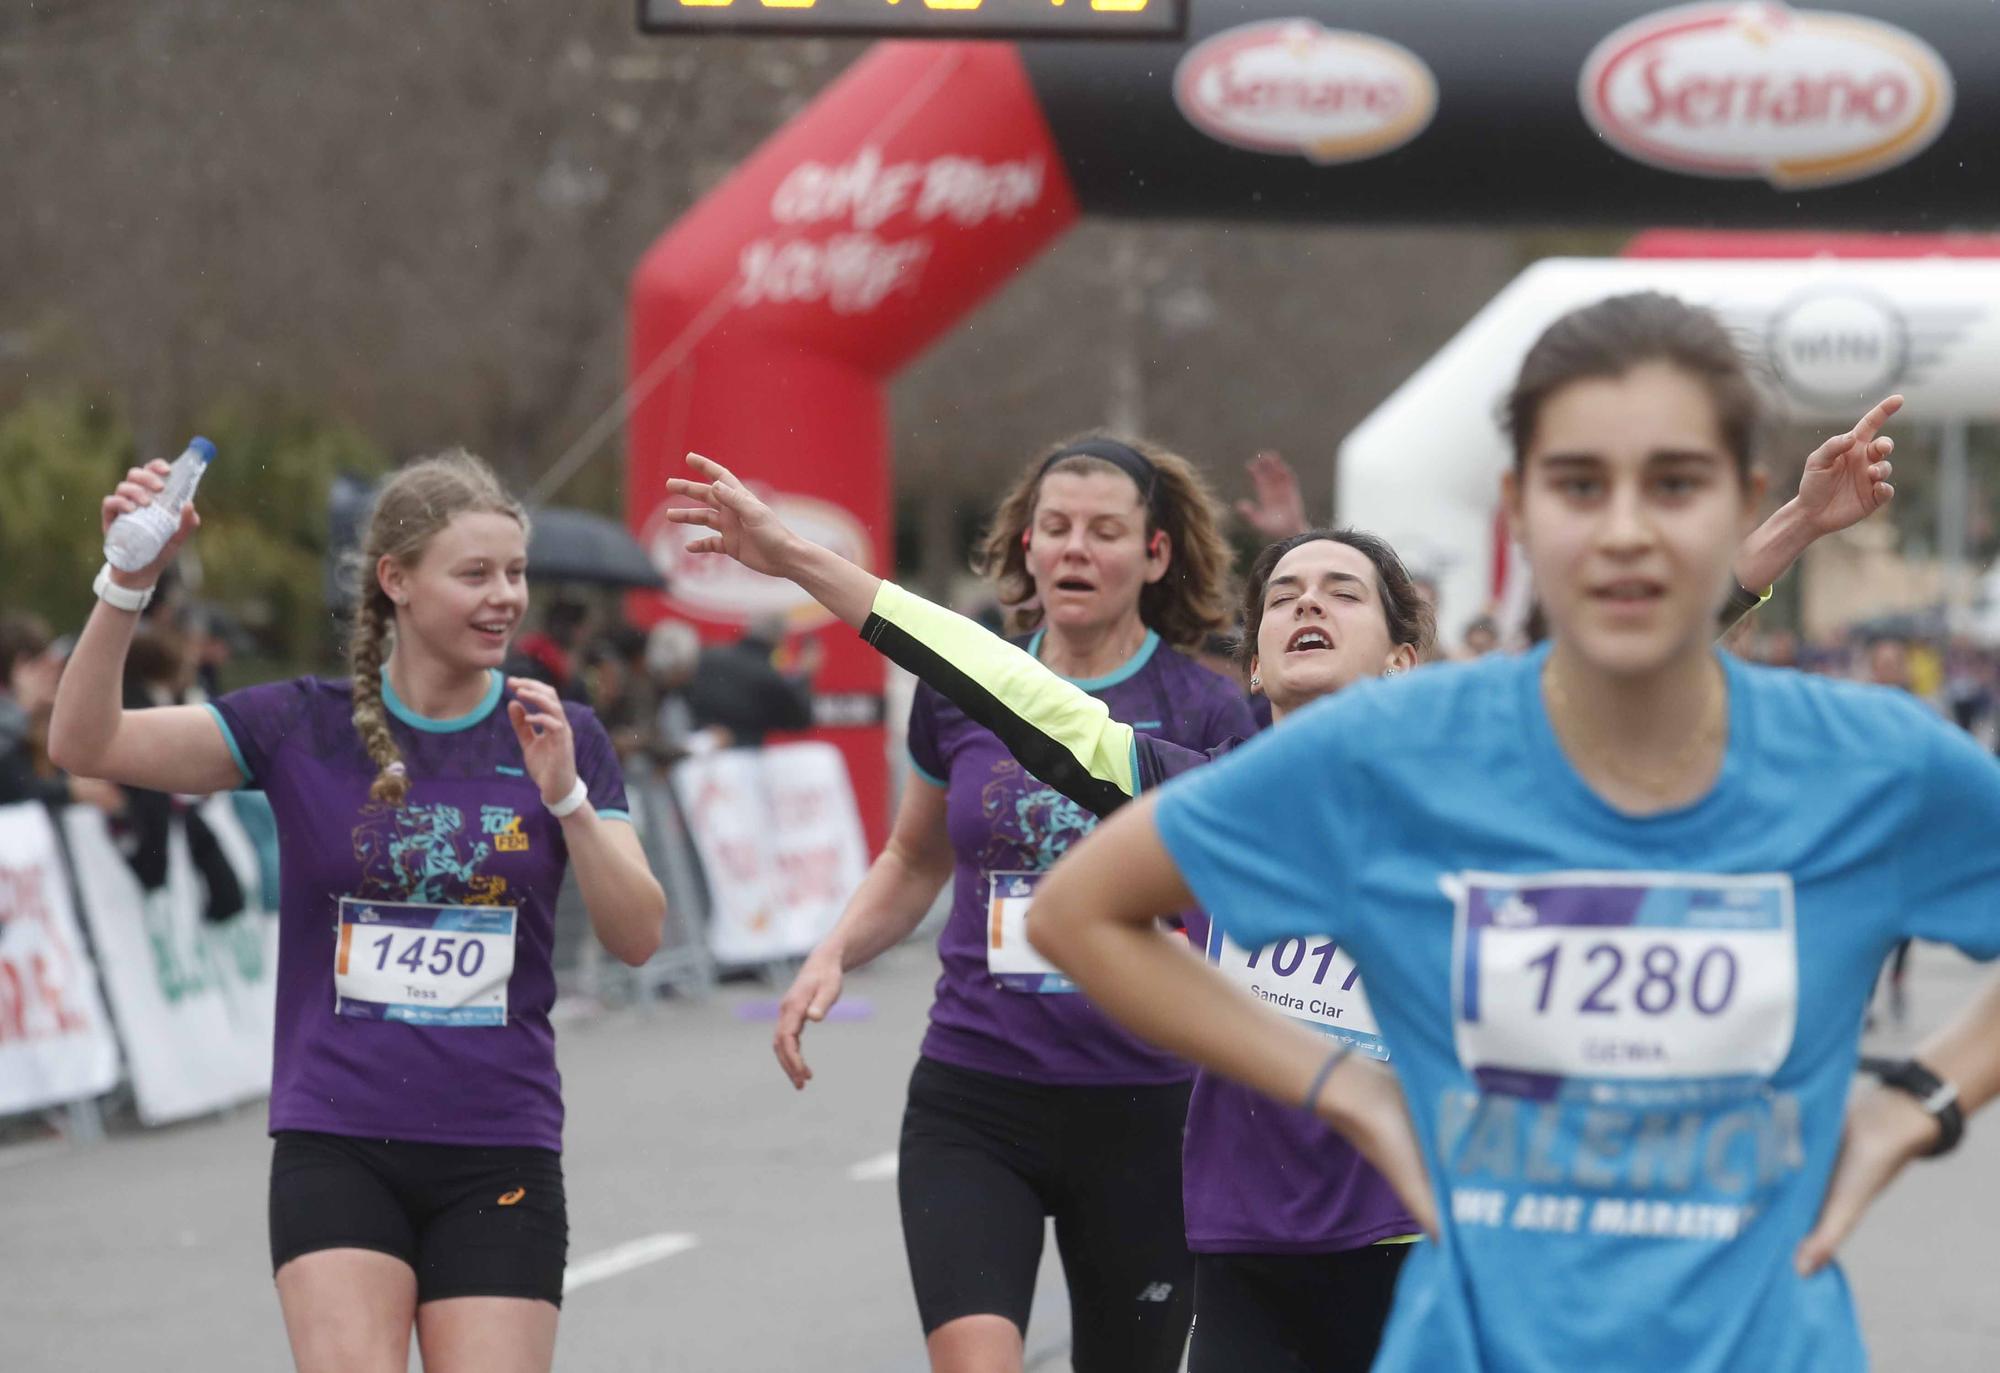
pixel 195 1001
pixel 56 1041
pixel 781 842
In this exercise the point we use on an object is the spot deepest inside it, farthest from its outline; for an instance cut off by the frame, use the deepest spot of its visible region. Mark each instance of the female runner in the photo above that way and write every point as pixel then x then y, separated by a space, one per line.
pixel 1618 901
pixel 426 811
pixel 1025 1102
pixel 1296 1238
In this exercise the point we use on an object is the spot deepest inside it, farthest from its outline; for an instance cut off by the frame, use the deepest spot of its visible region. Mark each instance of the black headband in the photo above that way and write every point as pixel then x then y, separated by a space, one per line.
pixel 1126 459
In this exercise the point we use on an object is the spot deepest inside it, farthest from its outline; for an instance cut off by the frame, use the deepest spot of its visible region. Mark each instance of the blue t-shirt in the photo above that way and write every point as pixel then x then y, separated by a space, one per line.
pixel 1626 1043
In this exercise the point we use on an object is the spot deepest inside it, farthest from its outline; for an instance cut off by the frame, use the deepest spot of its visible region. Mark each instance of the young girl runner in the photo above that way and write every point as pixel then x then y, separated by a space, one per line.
pixel 426 812
pixel 1288 1225
pixel 1618 903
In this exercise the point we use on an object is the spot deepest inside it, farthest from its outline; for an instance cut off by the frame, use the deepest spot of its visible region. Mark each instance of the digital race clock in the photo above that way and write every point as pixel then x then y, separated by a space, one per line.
pixel 921 18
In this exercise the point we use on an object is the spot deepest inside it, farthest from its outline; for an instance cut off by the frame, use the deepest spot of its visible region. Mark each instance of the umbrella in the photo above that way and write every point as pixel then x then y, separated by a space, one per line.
pixel 564 545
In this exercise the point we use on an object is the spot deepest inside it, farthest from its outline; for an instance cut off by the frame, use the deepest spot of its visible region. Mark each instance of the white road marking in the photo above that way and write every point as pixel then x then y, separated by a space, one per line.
pixel 623 1258
pixel 878 1169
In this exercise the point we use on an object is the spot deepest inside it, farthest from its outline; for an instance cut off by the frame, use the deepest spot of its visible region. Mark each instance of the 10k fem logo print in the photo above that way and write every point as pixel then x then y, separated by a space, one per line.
pixel 1800 98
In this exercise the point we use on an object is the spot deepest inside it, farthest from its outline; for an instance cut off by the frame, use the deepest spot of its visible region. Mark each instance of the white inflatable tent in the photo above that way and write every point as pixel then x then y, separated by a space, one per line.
pixel 1833 336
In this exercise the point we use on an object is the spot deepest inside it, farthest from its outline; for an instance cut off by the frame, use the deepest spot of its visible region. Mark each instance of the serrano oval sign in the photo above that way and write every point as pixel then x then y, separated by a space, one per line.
pixel 1800 98
pixel 1291 86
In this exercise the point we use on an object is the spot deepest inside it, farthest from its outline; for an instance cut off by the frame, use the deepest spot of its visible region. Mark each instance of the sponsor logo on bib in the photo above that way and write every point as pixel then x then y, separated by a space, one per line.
pixel 1291 86
pixel 1800 98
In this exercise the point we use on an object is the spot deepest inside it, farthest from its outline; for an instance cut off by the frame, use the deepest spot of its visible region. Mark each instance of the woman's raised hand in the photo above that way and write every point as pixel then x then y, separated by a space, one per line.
pixel 141 484
pixel 744 527
pixel 1847 478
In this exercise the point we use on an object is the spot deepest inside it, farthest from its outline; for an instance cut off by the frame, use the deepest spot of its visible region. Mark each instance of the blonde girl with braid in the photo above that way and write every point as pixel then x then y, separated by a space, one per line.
pixel 427 811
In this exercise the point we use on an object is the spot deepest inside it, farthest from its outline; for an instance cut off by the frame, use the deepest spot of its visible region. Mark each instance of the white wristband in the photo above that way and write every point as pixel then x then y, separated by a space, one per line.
pixel 119 597
pixel 578 794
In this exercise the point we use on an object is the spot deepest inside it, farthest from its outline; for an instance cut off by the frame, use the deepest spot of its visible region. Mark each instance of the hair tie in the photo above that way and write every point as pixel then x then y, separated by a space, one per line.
pixel 396 769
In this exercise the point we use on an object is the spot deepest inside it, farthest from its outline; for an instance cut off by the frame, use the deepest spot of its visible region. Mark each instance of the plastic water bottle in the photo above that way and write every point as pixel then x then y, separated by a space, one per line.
pixel 136 537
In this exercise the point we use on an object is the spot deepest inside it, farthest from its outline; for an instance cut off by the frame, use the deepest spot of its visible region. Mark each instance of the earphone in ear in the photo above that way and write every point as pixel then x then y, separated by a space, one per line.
pixel 1024 538
pixel 1153 544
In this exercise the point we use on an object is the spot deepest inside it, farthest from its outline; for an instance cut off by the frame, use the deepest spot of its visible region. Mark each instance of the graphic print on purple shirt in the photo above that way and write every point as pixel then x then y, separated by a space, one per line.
pixel 473 832
pixel 1002 819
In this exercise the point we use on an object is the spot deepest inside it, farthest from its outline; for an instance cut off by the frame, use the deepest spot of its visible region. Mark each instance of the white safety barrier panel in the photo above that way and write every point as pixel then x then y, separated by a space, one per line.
pixel 195 1002
pixel 781 844
pixel 56 1041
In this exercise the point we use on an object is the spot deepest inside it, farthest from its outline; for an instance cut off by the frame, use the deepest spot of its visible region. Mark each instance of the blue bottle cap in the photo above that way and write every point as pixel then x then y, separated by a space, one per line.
pixel 203 447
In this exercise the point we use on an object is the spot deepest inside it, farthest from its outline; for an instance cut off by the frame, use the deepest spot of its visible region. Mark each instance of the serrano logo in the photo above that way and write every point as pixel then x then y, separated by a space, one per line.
pixel 1800 98
pixel 714 587
pixel 1290 86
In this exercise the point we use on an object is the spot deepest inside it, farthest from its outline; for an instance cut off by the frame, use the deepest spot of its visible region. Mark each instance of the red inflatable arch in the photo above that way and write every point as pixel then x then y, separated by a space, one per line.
pixel 767 323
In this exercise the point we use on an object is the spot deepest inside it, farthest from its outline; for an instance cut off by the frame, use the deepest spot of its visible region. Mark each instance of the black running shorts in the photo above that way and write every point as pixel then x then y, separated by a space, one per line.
pixel 470 1220
pixel 985 1159
pixel 1292 1313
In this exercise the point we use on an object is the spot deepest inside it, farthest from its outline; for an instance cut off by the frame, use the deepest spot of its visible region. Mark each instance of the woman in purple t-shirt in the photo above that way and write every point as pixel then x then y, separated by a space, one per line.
pixel 426 813
pixel 1025 1102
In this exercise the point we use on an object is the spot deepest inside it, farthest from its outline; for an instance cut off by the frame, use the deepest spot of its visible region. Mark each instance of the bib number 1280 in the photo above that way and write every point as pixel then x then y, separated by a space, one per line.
pixel 1652 982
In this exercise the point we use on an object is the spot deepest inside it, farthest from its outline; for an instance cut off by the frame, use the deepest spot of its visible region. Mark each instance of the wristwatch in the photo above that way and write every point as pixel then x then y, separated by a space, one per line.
pixel 1938 1097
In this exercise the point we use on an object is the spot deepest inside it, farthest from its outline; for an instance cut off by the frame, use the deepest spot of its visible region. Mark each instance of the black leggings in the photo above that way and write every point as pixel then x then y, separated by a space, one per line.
pixel 986 1158
pixel 1292 1313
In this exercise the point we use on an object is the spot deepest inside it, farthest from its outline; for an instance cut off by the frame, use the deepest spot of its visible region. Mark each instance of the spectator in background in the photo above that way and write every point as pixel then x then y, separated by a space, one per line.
pixel 30 667
pixel 158 672
pixel 738 686
pixel 672 650
pixel 616 686
pixel 1481 637
pixel 549 654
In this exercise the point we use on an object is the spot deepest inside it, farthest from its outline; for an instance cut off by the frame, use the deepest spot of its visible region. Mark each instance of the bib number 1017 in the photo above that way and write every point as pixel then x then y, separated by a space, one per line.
pixel 1289 955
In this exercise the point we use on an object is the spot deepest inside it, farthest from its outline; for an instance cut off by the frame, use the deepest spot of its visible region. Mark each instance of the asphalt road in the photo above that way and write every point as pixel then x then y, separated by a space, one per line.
pixel 720 1221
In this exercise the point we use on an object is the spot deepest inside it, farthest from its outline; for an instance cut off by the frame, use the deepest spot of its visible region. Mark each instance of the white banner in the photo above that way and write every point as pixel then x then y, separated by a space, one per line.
pixel 56 1043
pixel 195 1001
pixel 780 839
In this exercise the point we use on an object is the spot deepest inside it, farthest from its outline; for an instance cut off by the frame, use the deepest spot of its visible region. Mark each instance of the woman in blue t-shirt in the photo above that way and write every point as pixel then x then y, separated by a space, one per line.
pixel 1026 1103
pixel 1619 903
pixel 1297 1240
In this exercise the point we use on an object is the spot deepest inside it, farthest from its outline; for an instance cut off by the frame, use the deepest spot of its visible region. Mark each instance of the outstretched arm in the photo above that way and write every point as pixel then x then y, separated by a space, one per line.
pixel 1060 733
pixel 1845 481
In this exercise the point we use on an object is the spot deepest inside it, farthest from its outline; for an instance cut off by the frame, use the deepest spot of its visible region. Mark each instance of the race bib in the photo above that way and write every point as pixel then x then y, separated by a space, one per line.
pixel 424 965
pixel 1010 958
pixel 1312 980
pixel 1609 978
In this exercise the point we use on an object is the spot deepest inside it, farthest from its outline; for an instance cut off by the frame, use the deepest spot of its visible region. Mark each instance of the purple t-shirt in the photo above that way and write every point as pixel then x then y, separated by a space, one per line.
pixel 1258 1176
pixel 473 831
pixel 1001 819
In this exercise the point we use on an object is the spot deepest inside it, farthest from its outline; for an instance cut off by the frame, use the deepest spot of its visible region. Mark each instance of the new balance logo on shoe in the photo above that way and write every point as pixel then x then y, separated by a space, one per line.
pixel 1159 1291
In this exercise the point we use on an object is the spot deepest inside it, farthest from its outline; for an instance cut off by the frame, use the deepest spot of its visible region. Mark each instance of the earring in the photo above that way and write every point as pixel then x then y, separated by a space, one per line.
pixel 1392 672
pixel 1256 682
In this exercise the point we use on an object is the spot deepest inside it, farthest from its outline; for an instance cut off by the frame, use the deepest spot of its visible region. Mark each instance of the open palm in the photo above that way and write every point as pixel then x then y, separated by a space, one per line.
pixel 743 527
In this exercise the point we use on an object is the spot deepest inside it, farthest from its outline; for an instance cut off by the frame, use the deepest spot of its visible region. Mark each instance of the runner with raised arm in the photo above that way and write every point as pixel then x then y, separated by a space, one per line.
pixel 426 812
pixel 1618 903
